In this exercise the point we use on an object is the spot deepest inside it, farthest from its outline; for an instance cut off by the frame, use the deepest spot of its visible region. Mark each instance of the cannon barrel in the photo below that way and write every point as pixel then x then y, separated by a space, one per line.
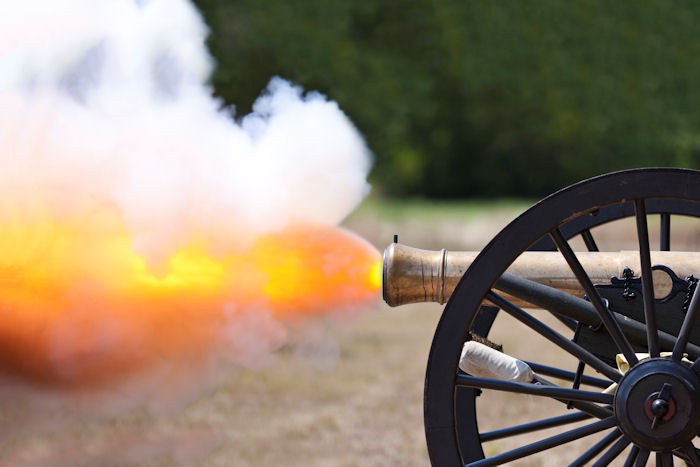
pixel 412 275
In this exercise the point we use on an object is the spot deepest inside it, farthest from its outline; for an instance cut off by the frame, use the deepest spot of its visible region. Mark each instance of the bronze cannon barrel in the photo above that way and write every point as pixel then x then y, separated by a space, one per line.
pixel 412 275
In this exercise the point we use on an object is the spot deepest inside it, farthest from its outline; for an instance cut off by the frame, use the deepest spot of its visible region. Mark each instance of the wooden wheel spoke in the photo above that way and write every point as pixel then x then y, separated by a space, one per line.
pixel 632 456
pixel 552 335
pixel 597 448
pixel 604 313
pixel 567 375
pixel 642 458
pixel 691 454
pixel 647 280
pixel 547 443
pixel 665 232
pixel 612 453
pixel 533 426
pixel 696 366
pixel 555 392
pixel 664 459
pixel 589 240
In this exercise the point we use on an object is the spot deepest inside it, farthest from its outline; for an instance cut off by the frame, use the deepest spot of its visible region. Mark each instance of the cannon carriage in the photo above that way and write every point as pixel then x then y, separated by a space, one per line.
pixel 627 323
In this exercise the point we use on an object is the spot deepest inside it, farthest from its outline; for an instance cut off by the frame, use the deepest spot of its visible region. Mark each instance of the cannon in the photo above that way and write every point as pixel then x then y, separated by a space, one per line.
pixel 624 327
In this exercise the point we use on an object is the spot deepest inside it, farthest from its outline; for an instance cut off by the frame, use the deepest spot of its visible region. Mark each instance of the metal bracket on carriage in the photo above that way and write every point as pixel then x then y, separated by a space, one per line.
pixel 667 285
pixel 623 295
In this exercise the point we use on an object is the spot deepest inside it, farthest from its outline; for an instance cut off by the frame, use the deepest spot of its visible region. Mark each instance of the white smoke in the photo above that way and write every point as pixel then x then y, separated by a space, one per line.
pixel 114 94
pixel 107 103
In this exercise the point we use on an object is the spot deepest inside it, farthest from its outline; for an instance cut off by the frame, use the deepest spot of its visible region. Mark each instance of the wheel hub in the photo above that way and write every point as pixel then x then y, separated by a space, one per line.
pixel 657 404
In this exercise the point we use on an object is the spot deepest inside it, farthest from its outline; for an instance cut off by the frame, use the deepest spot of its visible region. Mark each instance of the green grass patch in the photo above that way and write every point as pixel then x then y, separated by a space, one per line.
pixel 439 210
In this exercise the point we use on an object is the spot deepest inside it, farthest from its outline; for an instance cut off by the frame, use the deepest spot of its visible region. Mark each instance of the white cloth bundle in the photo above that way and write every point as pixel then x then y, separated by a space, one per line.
pixel 484 362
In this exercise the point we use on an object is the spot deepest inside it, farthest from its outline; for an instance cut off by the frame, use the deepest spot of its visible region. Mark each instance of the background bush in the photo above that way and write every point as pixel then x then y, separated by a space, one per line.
pixel 480 98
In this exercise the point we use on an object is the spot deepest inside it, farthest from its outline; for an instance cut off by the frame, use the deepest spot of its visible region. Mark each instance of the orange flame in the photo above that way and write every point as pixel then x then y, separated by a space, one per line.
pixel 80 307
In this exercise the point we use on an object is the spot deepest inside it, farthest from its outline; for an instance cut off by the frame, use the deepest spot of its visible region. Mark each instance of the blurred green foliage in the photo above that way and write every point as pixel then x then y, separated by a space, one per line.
pixel 475 98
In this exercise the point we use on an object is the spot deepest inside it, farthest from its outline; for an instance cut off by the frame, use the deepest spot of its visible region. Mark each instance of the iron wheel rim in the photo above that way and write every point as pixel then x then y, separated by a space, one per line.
pixel 535 223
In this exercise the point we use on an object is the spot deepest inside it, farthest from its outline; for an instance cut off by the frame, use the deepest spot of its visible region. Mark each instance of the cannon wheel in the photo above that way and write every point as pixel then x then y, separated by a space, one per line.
pixel 452 433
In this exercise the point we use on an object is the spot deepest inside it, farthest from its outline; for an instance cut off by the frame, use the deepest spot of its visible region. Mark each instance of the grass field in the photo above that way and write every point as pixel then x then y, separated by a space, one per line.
pixel 353 399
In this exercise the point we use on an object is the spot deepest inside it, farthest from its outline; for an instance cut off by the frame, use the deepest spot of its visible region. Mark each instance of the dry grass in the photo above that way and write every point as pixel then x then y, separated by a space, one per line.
pixel 365 411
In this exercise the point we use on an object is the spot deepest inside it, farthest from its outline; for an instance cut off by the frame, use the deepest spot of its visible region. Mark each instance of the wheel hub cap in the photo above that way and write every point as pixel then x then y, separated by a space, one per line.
pixel 657 404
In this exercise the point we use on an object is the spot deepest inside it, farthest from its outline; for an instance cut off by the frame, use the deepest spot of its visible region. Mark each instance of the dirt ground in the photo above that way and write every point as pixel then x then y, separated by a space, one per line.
pixel 355 402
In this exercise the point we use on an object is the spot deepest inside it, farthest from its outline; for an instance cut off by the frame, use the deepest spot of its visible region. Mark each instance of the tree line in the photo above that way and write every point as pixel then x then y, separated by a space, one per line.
pixel 480 98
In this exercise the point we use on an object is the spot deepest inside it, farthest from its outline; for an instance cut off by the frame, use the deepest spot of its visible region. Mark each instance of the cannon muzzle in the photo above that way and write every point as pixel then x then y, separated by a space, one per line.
pixel 412 275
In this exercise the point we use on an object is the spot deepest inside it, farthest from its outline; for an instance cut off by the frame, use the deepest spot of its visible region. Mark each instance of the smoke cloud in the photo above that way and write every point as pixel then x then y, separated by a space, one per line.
pixel 110 135
pixel 107 102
